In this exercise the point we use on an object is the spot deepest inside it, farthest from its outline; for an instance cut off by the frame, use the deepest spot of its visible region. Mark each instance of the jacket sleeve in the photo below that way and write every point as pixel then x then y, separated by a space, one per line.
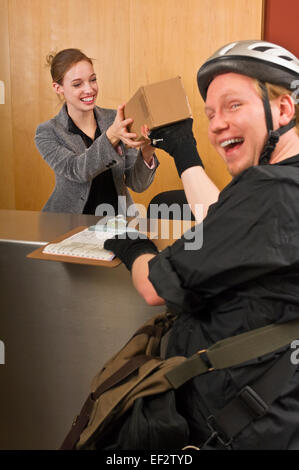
pixel 68 157
pixel 251 231
pixel 138 176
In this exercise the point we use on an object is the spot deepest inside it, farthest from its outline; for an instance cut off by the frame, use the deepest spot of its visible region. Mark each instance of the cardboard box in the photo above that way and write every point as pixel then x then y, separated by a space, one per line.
pixel 157 105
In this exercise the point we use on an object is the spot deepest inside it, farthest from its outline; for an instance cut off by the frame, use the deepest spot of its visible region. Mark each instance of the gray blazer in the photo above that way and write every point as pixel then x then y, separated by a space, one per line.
pixel 75 166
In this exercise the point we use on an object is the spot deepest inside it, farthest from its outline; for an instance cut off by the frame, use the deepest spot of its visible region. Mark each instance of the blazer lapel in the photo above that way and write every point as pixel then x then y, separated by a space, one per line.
pixel 73 141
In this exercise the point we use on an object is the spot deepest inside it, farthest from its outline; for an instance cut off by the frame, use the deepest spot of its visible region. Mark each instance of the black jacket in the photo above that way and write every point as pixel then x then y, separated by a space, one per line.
pixel 245 275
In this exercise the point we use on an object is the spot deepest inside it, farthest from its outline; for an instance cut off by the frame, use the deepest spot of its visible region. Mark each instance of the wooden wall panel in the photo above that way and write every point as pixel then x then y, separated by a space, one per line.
pixel 168 39
pixel 133 42
pixel 7 186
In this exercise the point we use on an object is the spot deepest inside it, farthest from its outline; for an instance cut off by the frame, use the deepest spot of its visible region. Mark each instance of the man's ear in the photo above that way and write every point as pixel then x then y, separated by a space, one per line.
pixel 286 109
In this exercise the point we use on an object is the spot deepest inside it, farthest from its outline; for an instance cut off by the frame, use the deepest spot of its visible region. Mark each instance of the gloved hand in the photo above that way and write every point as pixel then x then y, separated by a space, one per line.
pixel 178 140
pixel 128 249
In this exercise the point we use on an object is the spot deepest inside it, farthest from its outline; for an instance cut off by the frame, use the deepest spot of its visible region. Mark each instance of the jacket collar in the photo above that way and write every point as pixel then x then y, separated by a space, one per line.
pixel 63 117
pixel 289 161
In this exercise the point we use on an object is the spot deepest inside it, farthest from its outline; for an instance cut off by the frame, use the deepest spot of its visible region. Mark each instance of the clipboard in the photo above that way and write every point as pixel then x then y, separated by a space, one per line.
pixel 38 253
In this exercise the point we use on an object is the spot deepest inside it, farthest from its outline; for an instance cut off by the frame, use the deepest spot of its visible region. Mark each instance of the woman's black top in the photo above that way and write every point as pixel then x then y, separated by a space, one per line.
pixel 102 190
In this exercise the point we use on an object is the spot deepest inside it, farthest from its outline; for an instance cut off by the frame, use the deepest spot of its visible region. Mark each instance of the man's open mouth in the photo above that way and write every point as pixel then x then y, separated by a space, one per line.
pixel 231 143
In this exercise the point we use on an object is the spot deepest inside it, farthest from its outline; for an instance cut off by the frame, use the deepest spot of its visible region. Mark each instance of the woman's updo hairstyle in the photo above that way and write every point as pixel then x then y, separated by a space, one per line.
pixel 61 62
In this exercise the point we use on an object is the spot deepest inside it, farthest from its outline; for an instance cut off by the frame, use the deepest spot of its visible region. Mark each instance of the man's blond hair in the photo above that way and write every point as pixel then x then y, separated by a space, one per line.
pixel 274 91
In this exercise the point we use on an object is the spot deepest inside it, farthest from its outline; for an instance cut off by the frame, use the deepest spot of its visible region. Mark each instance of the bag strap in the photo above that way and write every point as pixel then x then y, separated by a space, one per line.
pixel 82 420
pixel 78 426
pixel 223 354
pixel 252 402
pixel 235 350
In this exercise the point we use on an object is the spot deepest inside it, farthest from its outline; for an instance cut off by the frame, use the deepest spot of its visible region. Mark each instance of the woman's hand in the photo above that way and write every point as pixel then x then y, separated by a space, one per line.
pixel 118 130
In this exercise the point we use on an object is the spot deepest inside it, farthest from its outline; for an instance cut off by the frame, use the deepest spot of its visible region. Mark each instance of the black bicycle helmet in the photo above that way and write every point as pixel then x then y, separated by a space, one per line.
pixel 263 61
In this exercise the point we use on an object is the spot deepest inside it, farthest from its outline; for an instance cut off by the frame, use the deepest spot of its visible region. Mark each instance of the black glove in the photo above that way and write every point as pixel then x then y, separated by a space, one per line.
pixel 178 140
pixel 128 249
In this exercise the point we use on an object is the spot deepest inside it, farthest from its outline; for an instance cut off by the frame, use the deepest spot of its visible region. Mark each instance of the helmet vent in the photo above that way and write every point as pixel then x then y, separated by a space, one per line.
pixel 262 48
pixel 286 57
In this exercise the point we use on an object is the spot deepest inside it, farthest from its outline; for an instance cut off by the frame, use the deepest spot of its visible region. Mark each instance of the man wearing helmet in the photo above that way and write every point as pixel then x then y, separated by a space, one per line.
pixel 233 103
pixel 264 62
pixel 246 273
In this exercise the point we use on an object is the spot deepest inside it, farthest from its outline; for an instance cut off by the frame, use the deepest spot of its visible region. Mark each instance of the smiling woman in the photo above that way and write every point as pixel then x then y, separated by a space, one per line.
pixel 78 87
pixel 93 155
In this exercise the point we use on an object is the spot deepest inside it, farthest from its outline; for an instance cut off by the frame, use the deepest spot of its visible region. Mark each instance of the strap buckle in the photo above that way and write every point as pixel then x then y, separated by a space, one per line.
pixel 203 354
pixel 217 433
pixel 255 406
pixel 273 138
pixel 253 401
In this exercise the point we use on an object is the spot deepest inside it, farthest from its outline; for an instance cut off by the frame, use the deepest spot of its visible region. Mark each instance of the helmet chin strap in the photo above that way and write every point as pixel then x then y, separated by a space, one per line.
pixel 273 136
